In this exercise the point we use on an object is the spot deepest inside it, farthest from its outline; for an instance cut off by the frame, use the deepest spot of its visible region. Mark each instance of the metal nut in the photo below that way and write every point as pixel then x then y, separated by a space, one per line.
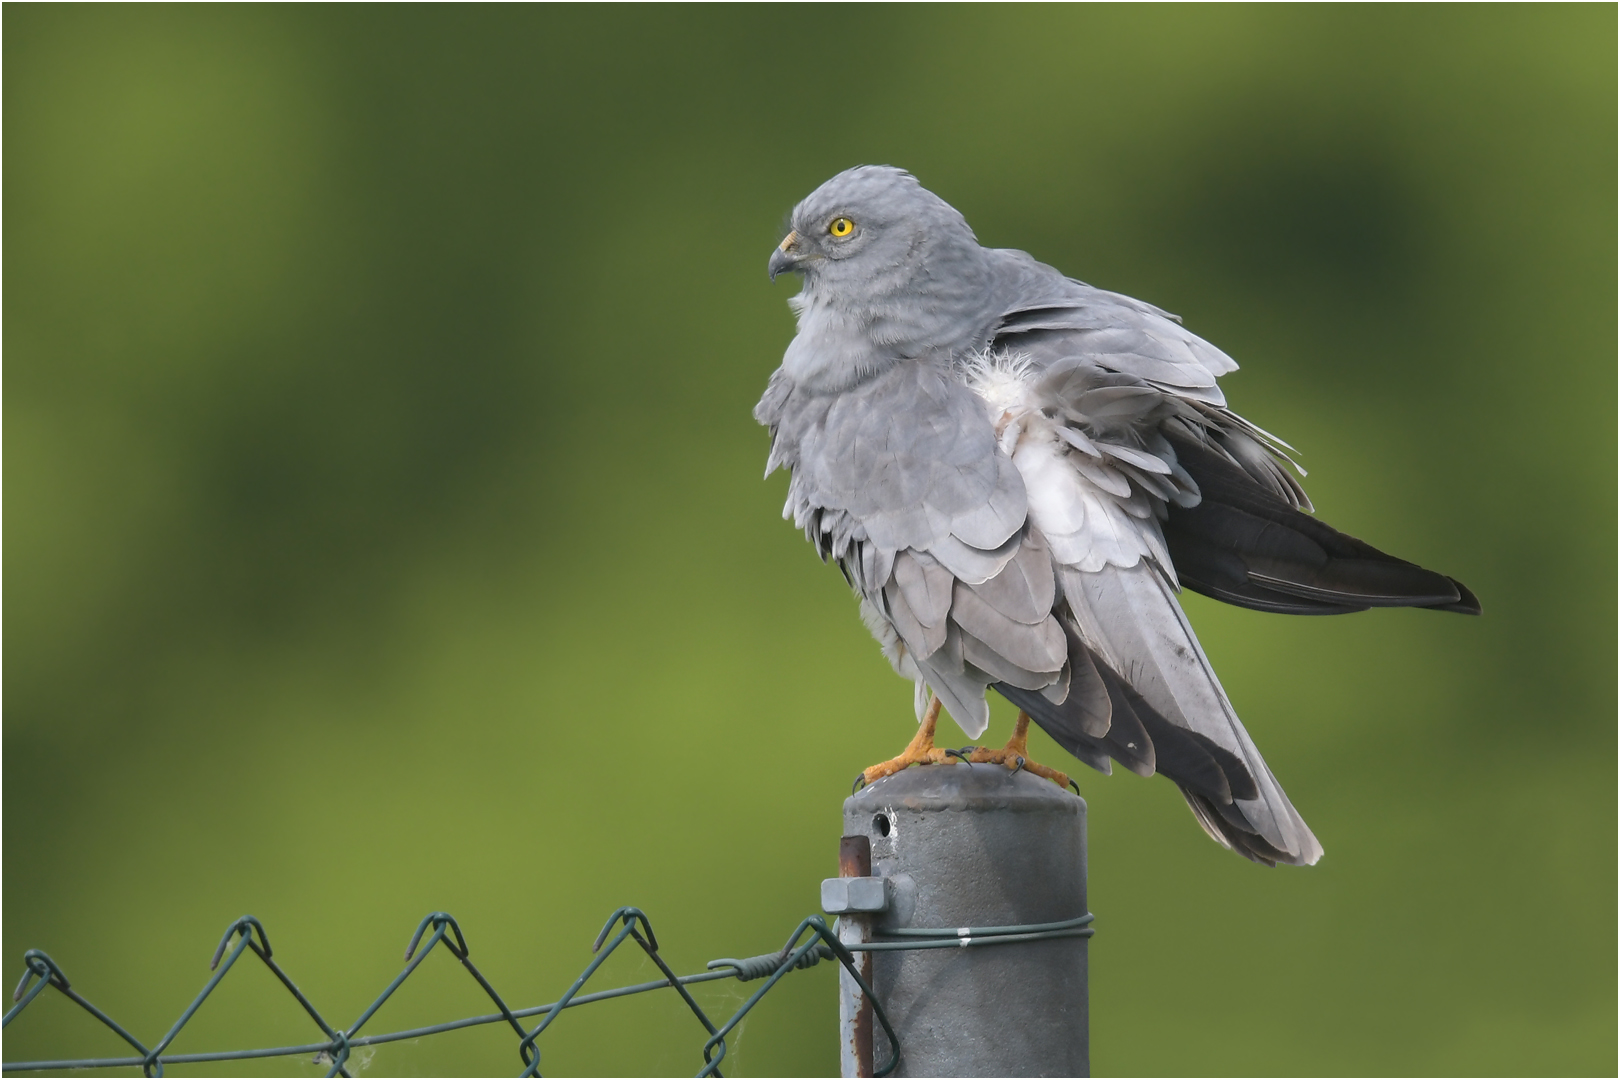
pixel 840 896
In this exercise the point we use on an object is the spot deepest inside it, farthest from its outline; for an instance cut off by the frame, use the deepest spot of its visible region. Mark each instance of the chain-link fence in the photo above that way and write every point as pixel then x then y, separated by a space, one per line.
pixel 809 944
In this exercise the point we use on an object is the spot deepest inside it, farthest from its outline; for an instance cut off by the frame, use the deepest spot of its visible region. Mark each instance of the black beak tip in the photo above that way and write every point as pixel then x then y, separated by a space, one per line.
pixel 780 262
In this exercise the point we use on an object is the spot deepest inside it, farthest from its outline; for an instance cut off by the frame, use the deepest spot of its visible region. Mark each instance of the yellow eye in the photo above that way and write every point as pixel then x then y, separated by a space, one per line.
pixel 841 226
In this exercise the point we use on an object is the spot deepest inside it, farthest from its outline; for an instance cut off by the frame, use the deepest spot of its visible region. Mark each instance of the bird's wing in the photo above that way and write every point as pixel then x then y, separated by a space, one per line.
pixel 1244 540
pixel 1101 475
pixel 900 480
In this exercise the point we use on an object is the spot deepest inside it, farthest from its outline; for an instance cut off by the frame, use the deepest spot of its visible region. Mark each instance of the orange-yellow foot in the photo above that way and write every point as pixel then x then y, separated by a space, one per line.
pixel 1015 755
pixel 920 751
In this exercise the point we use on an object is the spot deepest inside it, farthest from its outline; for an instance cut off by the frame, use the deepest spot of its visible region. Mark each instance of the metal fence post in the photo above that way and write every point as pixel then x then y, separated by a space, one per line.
pixel 963 846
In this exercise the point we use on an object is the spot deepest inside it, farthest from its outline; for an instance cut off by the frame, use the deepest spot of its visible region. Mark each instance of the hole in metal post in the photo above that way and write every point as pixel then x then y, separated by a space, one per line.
pixel 881 824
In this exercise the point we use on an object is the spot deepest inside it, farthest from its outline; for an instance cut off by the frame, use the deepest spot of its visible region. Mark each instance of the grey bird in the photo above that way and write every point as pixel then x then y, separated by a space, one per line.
pixel 1017 473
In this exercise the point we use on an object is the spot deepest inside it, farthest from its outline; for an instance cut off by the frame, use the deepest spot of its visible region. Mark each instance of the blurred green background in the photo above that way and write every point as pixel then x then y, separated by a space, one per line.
pixel 384 529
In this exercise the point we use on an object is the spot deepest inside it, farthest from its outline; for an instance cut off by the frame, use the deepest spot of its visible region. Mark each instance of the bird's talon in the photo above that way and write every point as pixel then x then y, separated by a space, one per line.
pixel 1075 786
pixel 860 782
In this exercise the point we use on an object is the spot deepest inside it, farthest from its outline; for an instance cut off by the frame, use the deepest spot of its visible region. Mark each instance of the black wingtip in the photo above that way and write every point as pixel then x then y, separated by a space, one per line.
pixel 1245 545
pixel 1467 603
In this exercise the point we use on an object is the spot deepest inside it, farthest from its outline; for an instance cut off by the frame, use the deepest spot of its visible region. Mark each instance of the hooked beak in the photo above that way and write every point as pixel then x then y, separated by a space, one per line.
pixel 786 255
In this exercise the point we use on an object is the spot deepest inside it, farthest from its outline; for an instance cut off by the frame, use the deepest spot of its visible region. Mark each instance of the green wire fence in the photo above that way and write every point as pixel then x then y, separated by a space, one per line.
pixel 810 943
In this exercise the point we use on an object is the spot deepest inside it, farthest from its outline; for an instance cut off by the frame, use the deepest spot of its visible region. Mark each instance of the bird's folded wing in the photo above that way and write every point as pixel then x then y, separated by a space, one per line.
pixel 906 460
pixel 902 482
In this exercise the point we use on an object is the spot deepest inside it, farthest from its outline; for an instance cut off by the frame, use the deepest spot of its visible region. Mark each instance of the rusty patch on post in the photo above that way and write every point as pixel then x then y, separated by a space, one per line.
pixel 855 860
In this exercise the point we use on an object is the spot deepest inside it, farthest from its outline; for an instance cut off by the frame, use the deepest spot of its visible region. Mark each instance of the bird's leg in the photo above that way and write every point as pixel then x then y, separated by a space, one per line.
pixel 1015 755
pixel 920 751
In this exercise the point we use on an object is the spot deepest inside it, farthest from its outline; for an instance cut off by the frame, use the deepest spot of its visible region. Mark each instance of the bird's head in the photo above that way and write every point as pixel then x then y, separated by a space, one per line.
pixel 868 229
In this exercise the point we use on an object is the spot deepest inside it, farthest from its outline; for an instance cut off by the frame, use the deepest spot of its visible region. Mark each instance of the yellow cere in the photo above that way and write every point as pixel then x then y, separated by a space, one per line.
pixel 841 226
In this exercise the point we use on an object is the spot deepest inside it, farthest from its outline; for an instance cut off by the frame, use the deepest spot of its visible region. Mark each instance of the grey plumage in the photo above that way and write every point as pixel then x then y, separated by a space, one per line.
pixel 1016 473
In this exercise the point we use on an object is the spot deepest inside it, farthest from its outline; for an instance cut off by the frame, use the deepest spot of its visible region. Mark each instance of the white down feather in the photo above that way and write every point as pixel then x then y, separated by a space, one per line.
pixel 1078 500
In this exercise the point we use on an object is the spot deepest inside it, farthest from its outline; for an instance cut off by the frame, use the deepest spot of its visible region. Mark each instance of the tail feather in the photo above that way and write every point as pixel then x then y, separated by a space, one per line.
pixel 1232 836
pixel 1130 620
pixel 1208 775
